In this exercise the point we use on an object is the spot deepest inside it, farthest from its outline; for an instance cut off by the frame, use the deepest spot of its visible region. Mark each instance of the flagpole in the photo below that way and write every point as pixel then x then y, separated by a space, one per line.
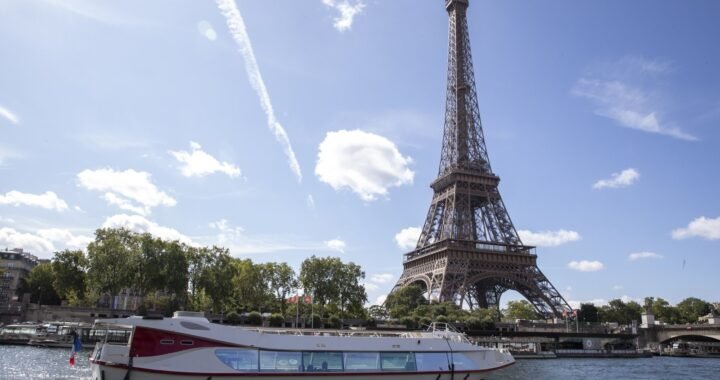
pixel 297 310
pixel 312 311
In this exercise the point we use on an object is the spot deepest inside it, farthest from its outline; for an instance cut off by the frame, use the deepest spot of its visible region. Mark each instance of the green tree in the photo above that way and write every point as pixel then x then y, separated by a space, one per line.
pixel 112 260
pixel 520 310
pixel 276 320
pixel 176 270
pixel 199 260
pixel 281 278
pixel 620 312
pixel 690 309
pixel 254 319
pixel 216 279
pixel 378 312
pixel 69 268
pixel 481 319
pixel 39 284
pixel 665 312
pixel 588 313
pixel 250 290
pixel 405 300
pixel 351 291
pixel 328 279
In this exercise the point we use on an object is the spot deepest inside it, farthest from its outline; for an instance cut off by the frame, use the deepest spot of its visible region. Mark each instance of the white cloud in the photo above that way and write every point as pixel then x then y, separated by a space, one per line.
pixel 44 242
pixel 347 12
pixel 644 255
pixel 623 179
pixel 407 238
pixel 48 200
pixel 206 30
pixel 9 115
pixel 239 242
pixel 366 163
pixel 65 237
pixel 310 201
pixel 129 190
pixel 140 224
pixel 369 286
pixel 586 266
pixel 236 24
pixel 617 287
pixel 335 245
pixel 701 227
pixel 382 278
pixel 11 238
pixel 380 299
pixel 197 163
pixel 548 238
pixel 630 107
pixel 123 203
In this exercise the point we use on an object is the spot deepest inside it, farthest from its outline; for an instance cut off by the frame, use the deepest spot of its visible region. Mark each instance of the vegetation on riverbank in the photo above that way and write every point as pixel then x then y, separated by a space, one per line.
pixel 168 276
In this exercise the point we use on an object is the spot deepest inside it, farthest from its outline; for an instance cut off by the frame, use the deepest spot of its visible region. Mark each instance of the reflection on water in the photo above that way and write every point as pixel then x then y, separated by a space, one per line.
pixel 24 363
pixel 612 369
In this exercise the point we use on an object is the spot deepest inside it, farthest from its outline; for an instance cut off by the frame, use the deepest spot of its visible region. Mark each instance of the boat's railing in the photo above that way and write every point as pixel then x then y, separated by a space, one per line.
pixel 324 332
pixel 447 331
pixel 436 330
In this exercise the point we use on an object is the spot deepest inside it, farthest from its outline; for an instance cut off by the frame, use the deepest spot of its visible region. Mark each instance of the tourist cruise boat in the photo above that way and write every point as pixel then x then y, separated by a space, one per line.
pixel 18 333
pixel 187 347
pixel 60 334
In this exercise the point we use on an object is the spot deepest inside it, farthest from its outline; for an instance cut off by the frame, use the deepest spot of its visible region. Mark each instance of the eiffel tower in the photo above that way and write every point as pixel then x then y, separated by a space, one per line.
pixel 469 251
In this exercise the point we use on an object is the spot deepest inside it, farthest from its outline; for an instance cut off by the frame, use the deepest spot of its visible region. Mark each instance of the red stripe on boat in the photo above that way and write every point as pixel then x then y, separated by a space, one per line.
pixel 150 342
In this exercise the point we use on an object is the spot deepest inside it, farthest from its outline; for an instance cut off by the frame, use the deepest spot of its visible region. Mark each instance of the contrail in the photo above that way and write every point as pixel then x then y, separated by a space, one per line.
pixel 235 23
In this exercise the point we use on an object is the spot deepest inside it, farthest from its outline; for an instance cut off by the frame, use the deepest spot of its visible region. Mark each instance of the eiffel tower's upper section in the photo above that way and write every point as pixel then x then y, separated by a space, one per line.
pixel 463 141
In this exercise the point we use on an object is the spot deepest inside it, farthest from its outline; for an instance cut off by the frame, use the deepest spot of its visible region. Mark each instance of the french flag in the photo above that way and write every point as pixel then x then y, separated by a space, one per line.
pixel 76 347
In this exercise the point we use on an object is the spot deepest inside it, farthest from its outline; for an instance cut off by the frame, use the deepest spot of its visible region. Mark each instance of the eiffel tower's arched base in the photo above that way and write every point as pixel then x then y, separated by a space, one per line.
pixel 476 275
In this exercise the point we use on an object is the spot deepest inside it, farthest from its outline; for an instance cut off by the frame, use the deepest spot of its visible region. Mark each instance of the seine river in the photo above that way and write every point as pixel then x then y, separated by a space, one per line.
pixel 19 362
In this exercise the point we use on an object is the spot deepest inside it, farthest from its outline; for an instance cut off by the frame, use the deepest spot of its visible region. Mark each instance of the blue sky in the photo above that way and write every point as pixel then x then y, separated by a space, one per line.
pixel 286 128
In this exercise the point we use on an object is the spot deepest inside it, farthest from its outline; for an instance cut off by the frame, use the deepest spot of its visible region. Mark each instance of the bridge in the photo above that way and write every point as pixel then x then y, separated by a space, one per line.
pixel 665 334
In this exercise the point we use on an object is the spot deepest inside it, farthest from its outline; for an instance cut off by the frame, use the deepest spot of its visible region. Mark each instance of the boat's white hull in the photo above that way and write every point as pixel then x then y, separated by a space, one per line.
pixel 107 372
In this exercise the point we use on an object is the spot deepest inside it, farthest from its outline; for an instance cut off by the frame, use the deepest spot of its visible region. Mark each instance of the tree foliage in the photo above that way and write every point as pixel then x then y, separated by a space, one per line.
pixel 620 312
pixel 521 309
pixel 690 309
pixel 40 284
pixel 405 300
pixel 329 280
pixel 69 269
pixel 588 313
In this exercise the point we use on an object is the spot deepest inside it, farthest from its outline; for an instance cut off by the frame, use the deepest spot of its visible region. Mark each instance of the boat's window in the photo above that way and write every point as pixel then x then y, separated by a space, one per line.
pixel 431 361
pixel 167 341
pixel 397 361
pixel 240 359
pixel 463 361
pixel 320 361
pixel 187 342
pixel 281 361
pixel 362 361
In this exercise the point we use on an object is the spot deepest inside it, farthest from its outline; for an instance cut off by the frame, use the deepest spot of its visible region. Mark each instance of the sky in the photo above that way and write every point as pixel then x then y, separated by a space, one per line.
pixel 284 129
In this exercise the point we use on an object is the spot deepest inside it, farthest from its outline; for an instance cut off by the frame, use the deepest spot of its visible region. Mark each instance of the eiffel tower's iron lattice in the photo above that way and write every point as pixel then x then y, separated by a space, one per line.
pixel 469 251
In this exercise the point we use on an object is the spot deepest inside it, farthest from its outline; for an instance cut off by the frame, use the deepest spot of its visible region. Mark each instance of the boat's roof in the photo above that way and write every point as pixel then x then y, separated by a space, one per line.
pixel 195 322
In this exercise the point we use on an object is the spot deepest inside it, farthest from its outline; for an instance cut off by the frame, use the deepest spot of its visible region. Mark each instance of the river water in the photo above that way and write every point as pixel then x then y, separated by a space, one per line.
pixel 26 363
